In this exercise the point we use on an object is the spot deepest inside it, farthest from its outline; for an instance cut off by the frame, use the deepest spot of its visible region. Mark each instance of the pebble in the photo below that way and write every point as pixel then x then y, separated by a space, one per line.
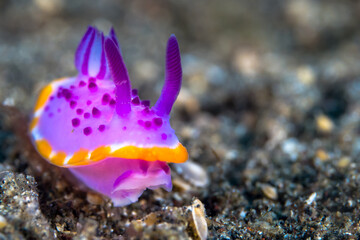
pixel 49 7
pixel 306 75
pixel 181 185
pixel 269 191
pixel 293 148
pixel 311 198
pixel 94 198
pixel 324 124
pixel 3 222
pixel 322 155
pixel 188 101
pixel 343 162
pixel 193 172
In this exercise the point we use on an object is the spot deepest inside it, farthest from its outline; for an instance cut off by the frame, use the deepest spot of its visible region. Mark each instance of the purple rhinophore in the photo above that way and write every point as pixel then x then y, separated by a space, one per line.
pixel 87 131
pixel 103 66
pixel 113 37
pixel 90 56
pixel 173 77
pixel 96 112
pixel 120 77
pixel 75 122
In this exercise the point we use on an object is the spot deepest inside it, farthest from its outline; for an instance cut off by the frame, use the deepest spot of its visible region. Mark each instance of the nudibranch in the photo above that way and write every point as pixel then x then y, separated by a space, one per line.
pixel 95 124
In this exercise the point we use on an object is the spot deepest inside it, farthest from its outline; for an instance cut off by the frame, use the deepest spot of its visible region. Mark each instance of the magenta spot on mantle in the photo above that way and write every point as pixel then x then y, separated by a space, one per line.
pixel 79 111
pixel 135 101
pixel 134 92
pixel 87 131
pixel 105 99
pixel 96 112
pixel 158 122
pixel 92 87
pixel 163 136
pixel 82 84
pixel 147 124
pixel 146 110
pixel 88 102
pixel 112 103
pixel 101 127
pixel 86 115
pixel 145 103
pixel 75 122
pixel 140 122
pixel 73 104
pixel 67 94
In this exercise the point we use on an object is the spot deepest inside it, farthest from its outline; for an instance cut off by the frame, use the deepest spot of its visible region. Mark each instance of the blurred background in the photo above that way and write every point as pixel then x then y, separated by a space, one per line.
pixel 269 107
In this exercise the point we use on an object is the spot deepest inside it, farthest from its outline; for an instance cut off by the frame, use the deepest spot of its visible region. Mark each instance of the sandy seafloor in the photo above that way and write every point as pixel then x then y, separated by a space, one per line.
pixel 269 111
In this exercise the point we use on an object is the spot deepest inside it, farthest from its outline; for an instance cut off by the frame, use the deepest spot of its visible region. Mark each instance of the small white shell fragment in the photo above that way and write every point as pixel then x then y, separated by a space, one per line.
pixel 198 215
pixel 181 185
pixel 324 124
pixel 311 198
pixel 193 173
pixel 3 222
pixel 94 198
pixel 269 191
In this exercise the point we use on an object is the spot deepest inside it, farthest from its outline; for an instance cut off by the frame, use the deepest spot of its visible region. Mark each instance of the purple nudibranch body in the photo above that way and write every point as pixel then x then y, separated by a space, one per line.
pixel 95 124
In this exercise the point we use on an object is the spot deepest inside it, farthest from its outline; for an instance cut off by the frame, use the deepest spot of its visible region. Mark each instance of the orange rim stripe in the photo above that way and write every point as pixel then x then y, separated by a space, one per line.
pixel 85 157
pixel 43 97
